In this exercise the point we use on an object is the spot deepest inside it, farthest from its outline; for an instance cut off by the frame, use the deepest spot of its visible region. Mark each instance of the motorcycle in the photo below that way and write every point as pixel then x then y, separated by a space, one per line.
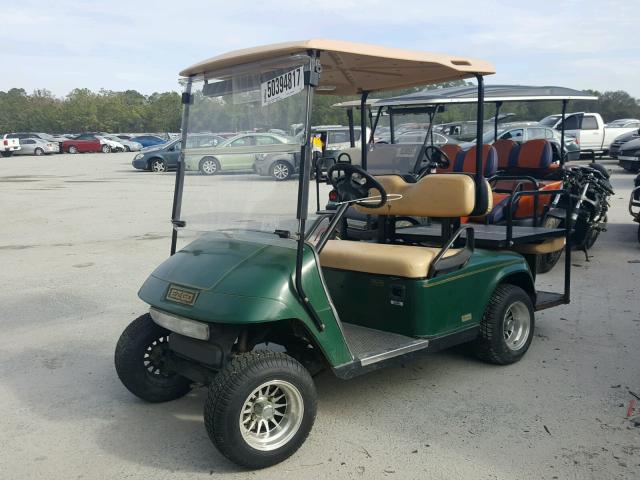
pixel 589 191
pixel 634 203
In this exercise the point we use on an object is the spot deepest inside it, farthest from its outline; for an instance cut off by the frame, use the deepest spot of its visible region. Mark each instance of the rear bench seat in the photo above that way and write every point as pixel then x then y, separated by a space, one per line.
pixel 533 159
pixel 464 161
pixel 435 196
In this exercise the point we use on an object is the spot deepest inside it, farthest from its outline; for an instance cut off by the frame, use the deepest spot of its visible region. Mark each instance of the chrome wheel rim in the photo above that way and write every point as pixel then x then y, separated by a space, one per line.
pixel 209 167
pixel 158 167
pixel 271 415
pixel 280 171
pixel 516 325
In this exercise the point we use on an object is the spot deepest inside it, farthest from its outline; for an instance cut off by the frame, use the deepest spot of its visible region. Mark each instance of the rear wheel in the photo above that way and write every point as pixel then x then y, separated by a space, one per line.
pixel 546 261
pixel 157 165
pixel 209 166
pixel 38 151
pixel 72 149
pixel 105 149
pixel 126 148
pixel 260 408
pixel 506 329
pixel 141 362
pixel 281 170
pixel 6 154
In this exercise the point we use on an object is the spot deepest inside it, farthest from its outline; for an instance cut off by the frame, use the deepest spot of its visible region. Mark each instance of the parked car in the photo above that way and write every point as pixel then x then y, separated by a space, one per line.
pixel 417 136
pixel 128 145
pixel 114 145
pixel 238 153
pixel 521 132
pixel 37 146
pixel 164 157
pixel 83 143
pixel 588 129
pixel 629 155
pixel 624 123
pixel 9 146
pixel 21 135
pixel 280 166
pixel 621 140
pixel 148 140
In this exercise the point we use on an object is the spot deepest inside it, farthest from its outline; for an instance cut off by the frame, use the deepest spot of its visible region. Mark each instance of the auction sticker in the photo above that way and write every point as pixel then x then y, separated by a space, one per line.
pixel 282 86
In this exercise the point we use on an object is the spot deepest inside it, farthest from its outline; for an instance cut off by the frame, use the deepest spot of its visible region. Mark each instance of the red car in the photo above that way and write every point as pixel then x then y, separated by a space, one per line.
pixel 85 142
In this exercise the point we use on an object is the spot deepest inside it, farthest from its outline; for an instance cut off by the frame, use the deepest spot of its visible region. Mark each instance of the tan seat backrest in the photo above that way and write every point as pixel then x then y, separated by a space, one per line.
pixel 446 195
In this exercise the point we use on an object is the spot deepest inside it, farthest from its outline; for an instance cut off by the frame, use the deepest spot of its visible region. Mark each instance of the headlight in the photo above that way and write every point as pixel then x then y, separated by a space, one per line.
pixel 138 156
pixel 180 325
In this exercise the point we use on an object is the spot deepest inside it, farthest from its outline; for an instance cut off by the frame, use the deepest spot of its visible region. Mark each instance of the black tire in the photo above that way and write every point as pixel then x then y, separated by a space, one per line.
pixel 38 151
pixel 639 233
pixel 491 345
pixel 126 148
pixel 546 261
pixel 6 154
pixel 234 386
pixel 105 148
pixel 281 170
pixel 72 149
pixel 209 166
pixel 157 165
pixel 139 362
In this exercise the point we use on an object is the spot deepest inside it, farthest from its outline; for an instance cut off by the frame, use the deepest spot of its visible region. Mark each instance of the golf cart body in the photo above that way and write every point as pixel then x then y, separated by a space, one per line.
pixel 257 263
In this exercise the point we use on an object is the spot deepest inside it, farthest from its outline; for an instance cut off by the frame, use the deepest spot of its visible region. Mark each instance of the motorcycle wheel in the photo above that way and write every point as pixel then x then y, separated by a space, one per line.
pixel 546 261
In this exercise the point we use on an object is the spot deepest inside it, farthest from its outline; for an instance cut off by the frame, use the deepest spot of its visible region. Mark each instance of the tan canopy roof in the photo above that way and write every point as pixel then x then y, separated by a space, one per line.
pixel 349 68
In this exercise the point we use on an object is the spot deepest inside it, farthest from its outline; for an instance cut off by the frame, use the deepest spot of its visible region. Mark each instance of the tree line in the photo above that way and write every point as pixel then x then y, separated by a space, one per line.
pixel 130 111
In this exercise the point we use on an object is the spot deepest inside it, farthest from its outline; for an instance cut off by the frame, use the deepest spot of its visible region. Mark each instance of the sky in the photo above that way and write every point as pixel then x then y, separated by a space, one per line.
pixel 142 45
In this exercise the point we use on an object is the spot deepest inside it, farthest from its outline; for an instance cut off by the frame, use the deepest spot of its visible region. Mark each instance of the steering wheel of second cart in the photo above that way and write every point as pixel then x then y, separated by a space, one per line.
pixel 353 184
pixel 435 158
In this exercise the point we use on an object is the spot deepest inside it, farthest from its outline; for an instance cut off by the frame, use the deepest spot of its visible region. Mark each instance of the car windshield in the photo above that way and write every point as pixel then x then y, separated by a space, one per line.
pixel 247 181
pixel 550 121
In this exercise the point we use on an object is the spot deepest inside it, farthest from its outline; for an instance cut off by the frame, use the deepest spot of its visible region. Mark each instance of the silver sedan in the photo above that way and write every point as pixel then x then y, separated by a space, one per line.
pixel 36 146
pixel 129 146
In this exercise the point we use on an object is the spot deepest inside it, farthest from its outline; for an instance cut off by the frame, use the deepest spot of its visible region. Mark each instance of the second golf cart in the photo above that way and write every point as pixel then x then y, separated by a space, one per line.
pixel 262 294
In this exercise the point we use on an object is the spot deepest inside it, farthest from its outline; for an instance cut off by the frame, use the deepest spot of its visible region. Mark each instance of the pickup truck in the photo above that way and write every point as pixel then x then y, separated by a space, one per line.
pixel 8 146
pixel 588 130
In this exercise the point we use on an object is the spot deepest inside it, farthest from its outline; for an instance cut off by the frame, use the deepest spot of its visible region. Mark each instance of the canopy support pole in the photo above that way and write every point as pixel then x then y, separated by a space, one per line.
pixel 363 129
pixel 495 121
pixel 479 129
pixel 375 124
pixel 179 186
pixel 392 126
pixel 564 113
pixel 352 133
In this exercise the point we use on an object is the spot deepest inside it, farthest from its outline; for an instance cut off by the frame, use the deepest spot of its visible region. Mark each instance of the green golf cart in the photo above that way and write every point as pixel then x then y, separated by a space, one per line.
pixel 259 293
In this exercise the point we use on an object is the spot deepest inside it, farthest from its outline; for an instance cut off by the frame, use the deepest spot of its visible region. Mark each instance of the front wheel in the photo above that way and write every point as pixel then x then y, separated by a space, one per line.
pixel 157 165
pixel 209 166
pixel 72 149
pixel 140 359
pixel 281 170
pixel 7 154
pixel 260 408
pixel 105 149
pixel 506 329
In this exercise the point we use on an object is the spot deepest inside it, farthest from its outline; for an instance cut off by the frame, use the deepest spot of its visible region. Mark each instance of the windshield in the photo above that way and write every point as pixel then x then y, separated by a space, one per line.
pixel 248 181
pixel 550 121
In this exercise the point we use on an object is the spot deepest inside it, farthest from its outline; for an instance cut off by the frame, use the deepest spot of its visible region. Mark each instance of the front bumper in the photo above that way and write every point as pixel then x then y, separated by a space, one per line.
pixel 628 161
pixel 140 164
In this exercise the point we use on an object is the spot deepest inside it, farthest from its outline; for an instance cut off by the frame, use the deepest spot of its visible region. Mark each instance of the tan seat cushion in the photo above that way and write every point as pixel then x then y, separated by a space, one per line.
pixel 383 259
pixel 438 195
pixel 548 246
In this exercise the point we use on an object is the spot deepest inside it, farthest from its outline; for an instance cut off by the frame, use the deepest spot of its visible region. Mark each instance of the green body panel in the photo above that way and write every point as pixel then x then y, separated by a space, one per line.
pixel 439 306
pixel 243 278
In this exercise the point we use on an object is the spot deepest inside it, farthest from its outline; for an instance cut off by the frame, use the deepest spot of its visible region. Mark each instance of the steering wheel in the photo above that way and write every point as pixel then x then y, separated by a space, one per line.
pixel 353 183
pixel 435 158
